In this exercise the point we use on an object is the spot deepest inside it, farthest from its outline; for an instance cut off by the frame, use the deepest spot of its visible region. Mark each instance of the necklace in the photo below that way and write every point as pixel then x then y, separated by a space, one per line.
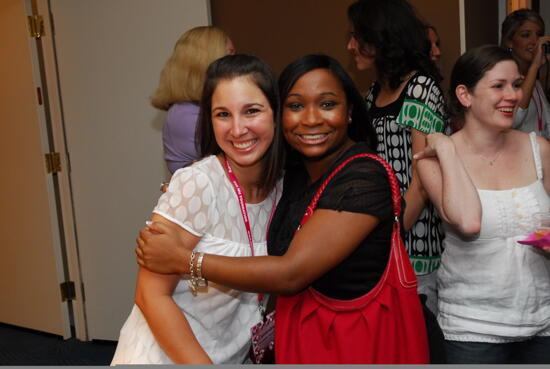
pixel 491 162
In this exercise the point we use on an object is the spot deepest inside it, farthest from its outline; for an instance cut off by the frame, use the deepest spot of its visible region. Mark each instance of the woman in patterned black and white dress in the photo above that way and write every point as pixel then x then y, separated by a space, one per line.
pixel 405 104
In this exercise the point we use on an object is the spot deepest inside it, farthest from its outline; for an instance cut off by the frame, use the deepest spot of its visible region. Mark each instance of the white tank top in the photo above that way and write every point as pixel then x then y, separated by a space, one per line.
pixel 491 288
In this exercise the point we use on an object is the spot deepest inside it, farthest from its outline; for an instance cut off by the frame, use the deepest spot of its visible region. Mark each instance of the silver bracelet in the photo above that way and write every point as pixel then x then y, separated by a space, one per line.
pixel 200 281
pixel 192 279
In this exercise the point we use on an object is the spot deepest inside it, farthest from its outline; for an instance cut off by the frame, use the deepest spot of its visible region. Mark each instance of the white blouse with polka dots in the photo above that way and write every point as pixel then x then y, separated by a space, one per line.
pixel 201 199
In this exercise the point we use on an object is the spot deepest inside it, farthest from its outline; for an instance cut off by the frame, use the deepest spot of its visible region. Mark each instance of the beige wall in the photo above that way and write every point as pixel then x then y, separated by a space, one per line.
pixel 444 15
pixel 281 31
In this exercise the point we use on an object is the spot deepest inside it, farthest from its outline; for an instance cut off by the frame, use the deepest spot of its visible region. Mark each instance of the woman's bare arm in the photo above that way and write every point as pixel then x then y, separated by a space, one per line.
pixel 167 322
pixel 324 241
pixel 448 184
pixel 544 145
pixel 415 196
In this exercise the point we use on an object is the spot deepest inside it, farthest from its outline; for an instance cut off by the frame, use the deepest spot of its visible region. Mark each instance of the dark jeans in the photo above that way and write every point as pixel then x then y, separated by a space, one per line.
pixel 436 340
pixel 533 351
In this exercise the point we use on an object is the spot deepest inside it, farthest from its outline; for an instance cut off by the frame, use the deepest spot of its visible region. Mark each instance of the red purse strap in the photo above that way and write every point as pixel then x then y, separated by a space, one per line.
pixel 394 186
pixel 398 254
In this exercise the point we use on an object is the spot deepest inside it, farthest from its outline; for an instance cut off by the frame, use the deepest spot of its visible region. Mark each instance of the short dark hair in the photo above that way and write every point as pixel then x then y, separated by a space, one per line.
pixel 230 67
pixel 469 69
pixel 514 20
pixel 398 36
pixel 360 128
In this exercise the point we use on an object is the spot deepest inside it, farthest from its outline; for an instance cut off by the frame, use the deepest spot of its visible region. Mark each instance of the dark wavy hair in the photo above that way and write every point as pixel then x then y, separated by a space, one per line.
pixel 360 128
pixel 398 37
pixel 260 73
pixel 468 70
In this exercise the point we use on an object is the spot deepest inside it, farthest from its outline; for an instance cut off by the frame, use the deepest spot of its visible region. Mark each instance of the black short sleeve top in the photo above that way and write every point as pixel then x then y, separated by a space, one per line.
pixel 361 187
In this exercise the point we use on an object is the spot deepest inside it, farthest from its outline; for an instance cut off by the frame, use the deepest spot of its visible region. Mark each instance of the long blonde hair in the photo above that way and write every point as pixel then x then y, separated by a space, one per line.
pixel 183 75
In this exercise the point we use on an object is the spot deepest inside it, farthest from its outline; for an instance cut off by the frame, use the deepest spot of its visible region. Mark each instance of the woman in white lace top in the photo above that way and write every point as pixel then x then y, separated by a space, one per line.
pixel 487 181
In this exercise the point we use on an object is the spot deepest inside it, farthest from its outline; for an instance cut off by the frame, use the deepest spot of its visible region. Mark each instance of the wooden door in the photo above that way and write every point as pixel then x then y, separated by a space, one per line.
pixel 31 266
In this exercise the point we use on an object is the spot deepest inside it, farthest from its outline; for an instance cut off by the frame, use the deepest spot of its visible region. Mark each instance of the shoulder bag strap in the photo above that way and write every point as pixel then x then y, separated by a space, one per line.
pixel 398 253
pixel 394 186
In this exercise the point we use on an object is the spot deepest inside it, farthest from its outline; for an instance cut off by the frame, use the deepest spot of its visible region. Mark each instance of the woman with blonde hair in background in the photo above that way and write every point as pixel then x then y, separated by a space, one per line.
pixel 523 34
pixel 180 89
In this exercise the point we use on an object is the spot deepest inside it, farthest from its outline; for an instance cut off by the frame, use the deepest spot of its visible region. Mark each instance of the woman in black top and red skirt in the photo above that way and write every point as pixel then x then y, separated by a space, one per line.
pixel 347 293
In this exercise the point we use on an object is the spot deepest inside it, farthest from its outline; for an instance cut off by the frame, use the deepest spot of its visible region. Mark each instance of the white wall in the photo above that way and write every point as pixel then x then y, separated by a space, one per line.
pixel 110 54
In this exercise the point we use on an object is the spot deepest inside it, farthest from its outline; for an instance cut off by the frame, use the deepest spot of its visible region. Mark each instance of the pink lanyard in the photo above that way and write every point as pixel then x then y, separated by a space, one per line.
pixel 539 112
pixel 244 212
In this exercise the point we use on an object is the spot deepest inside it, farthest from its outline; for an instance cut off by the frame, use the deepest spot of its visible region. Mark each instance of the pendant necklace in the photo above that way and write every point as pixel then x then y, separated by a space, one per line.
pixel 491 162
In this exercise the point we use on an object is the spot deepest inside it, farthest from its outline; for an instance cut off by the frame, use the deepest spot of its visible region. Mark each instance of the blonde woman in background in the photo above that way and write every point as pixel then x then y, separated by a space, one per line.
pixel 180 90
pixel 523 34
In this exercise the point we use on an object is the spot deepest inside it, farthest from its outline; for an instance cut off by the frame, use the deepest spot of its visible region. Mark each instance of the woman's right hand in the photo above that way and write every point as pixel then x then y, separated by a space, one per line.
pixel 164 247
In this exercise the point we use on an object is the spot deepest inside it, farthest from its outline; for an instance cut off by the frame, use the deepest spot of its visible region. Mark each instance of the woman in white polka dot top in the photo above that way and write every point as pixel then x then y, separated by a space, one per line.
pixel 223 204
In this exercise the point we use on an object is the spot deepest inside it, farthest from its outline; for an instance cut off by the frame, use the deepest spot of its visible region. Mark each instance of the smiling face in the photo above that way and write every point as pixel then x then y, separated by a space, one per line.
pixel 495 96
pixel 242 120
pixel 316 115
pixel 524 40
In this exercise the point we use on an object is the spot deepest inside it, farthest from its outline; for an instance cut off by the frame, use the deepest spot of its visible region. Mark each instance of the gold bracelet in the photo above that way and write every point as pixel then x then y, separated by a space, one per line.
pixel 200 281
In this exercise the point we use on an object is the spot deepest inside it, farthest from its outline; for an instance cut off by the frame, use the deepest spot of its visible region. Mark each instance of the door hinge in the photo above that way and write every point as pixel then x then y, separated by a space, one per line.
pixel 53 162
pixel 68 291
pixel 36 25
